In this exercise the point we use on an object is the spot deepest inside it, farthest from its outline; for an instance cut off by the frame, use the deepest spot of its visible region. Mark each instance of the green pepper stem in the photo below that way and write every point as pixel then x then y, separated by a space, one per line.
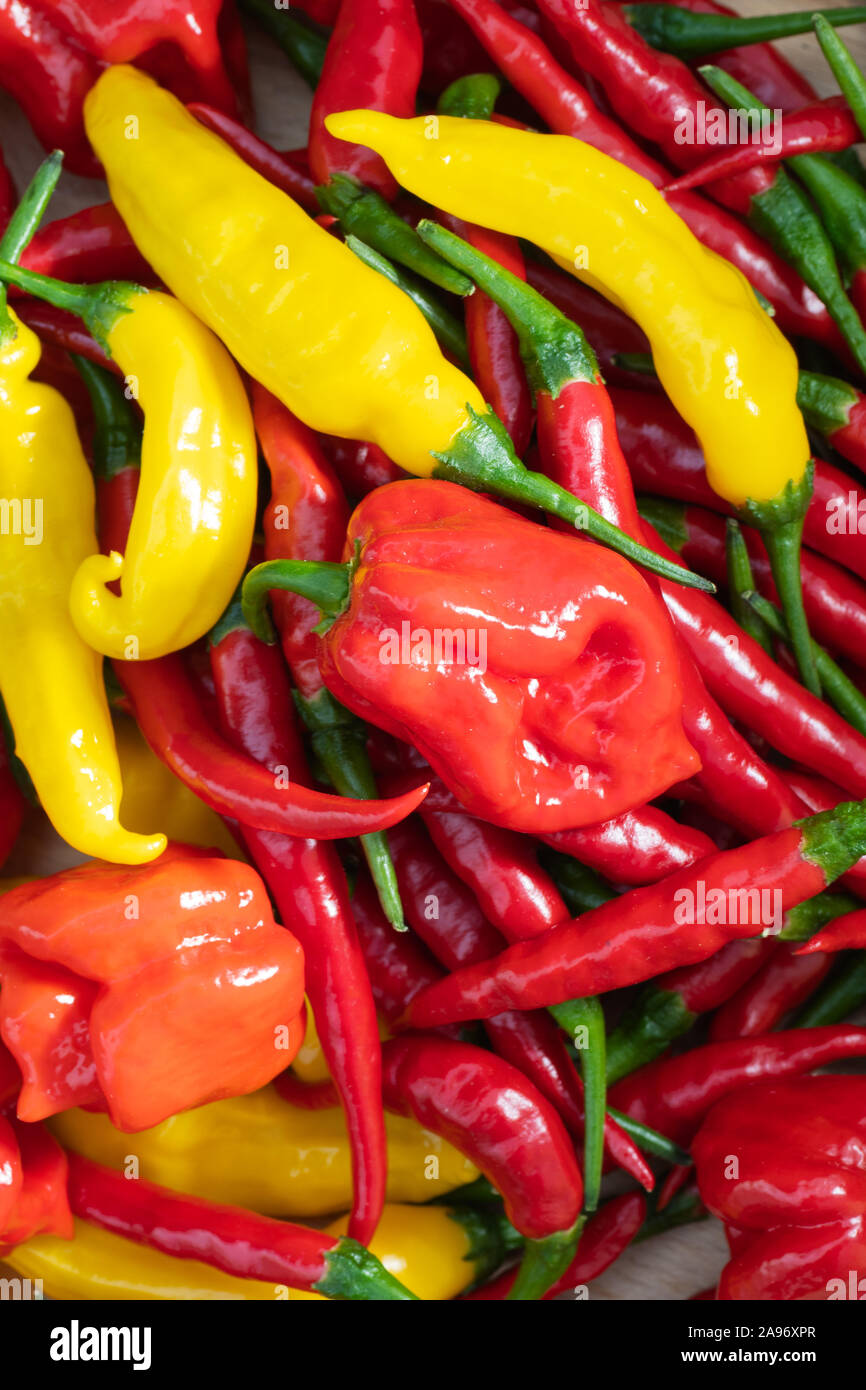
pixel 324 583
pixel 656 1018
pixel 658 1145
pixel 846 72
pixel 449 331
pixel 100 306
pixel 544 1261
pixel 354 1273
pixel 839 997
pixel 117 437
pixel 473 97
pixel 304 46
pixel 481 457
pixel 741 581
pixel 690 35
pixel 834 840
pixel 554 349
pixel 666 517
pixel 581 887
pixel 806 918
pixel 841 691
pixel 581 1017
pixel 491 1236
pixel 24 221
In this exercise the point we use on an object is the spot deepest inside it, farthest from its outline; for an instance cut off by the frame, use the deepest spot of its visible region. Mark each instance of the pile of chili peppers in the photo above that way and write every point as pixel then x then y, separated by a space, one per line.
pixel 433 647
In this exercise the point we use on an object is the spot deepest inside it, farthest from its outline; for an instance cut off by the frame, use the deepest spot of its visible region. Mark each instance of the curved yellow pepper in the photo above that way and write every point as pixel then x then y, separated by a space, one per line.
pixel 192 527
pixel 51 681
pixel 256 1151
pixel 423 1246
pixel 272 283
pixel 152 794
pixel 726 367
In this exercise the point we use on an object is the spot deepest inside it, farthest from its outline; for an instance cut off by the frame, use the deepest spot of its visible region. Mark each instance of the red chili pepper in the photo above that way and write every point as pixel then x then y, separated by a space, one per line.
pixel 783 982
pixel 92 244
pixel 567 109
pixel 63 330
pixel 610 332
pixel 12 805
pixel 398 965
pixel 608 1233
pixel 657 928
pixel 636 848
pixel 676 1093
pixel 451 50
pixel 189 1002
pixel 842 934
pixel 821 126
pixel 322 12
pixel 815 794
pixel 308 886
pixel 34 1202
pixel 835 600
pixel 360 466
pixel 8 197
pixel 497 1118
pixel 287 170
pixel 237 1241
pixel 373 60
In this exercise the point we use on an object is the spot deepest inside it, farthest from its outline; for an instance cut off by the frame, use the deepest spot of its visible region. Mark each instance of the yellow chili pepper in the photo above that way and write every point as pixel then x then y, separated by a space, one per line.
pixel 51 681
pixel 435 1253
pixel 192 527
pixel 345 349
pixel 257 1151
pixel 725 365
pixel 152 794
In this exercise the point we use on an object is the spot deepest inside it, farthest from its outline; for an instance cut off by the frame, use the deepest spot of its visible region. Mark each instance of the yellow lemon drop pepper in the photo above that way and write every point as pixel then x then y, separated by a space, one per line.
pixel 725 365
pixel 345 349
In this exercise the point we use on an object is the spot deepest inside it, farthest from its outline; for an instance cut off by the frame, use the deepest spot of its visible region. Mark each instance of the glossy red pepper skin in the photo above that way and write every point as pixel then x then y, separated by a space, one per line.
pixel 708 984
pixel 799 1262
pixel 633 937
pixel 844 934
pixel 607 1234
pixel 636 848
pixel 373 61
pixel 567 109
pixel 89 245
pixel 36 1203
pixel 398 965
pixel 782 982
pixel 491 1113
pixel 419 543
pixel 360 466
pixel 608 330
pixel 288 173
pixel 675 1093
pixel 63 330
pixel 307 884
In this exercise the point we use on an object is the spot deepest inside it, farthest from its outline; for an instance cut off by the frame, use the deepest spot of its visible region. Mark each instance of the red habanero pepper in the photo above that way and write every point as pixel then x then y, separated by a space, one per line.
pixel 237 1241
pixel 10 1172
pixel 92 244
pixel 308 886
pixel 783 982
pixel 835 600
pixel 654 929
pixel 824 125
pixel 580 451
pixel 444 913
pixel 675 1093
pixel 419 544
pixel 374 61
pixel 306 519
pixel 491 1113
pixel 165 700
pixel 284 171
pixel 40 1205
pixel 189 1003
pixel 567 109
pixel 608 1233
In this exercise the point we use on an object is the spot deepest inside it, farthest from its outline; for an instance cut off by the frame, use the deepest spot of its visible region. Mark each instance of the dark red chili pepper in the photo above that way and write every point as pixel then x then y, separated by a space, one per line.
pixel 844 934
pixel 169 712
pixel 374 61
pixel 815 794
pixel 92 244
pixel 8 197
pixel 783 982
pixel 63 329
pixel 361 467
pixel 286 170
pixel 675 1093
pixel 12 806
pixel 307 883
pixel 489 1111
pixel 637 848
pixel 608 1233
pixel 821 126
pixel 835 600
pixel 236 1241
pixel 610 332
pixel 399 966
pixel 657 928
pixel 567 109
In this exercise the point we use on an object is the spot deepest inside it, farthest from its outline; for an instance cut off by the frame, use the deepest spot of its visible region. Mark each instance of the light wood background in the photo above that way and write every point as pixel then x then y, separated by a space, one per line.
pixel 679 1263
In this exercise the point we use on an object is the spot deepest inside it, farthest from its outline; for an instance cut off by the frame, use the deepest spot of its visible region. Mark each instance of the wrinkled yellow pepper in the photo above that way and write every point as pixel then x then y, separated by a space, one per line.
pixel 257 1151
pixel 726 367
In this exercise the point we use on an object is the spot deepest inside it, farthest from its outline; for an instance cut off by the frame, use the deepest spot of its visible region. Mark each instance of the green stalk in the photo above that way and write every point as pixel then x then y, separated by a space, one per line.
pixel 654 1020
pixel 323 583
pixel 839 997
pixel 691 35
pixel 584 1019
pixel 741 581
pixel 117 434
pixel 99 306
pixel 366 215
pixel 582 888
pixel 809 916
pixel 306 47
pixel 473 97
pixel 658 1145
pixel 354 1273
pixel 846 72
pixel 449 331
pixel 841 691
pixel 544 1261
pixel 22 225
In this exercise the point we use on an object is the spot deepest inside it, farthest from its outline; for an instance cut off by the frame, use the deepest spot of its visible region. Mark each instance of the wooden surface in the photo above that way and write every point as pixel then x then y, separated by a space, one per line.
pixel 672 1266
